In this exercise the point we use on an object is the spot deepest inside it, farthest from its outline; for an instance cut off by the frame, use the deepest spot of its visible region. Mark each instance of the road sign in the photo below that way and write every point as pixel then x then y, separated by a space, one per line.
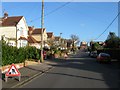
pixel 13 71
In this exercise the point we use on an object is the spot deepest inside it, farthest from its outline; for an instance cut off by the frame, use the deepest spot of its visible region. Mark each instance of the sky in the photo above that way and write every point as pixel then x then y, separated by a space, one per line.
pixel 84 19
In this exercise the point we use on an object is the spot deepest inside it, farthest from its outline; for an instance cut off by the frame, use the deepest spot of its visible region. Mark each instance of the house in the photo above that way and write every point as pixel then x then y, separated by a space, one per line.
pixel 63 43
pixel 50 39
pixel 57 40
pixel 36 34
pixel 60 42
pixel 69 43
pixel 83 45
pixel 34 37
pixel 32 41
pixel 50 36
pixel 14 30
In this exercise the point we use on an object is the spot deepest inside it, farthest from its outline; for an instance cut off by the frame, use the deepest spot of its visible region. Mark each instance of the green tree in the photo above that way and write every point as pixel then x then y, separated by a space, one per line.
pixel 112 41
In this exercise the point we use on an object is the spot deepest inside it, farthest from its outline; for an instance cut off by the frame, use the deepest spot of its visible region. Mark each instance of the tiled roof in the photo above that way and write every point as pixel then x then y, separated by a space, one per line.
pixel 49 34
pixel 22 38
pixel 11 21
pixel 32 40
pixel 57 38
pixel 38 31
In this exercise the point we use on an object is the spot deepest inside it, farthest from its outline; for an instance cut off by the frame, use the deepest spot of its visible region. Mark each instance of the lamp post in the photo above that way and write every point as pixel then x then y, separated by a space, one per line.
pixel 60 35
pixel 60 40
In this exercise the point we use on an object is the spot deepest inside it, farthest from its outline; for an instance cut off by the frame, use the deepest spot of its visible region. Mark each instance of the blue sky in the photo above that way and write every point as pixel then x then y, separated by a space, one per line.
pixel 85 19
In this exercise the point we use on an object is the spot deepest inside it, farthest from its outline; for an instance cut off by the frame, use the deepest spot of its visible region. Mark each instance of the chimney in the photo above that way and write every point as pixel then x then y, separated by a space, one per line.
pixel 5 15
pixel 31 29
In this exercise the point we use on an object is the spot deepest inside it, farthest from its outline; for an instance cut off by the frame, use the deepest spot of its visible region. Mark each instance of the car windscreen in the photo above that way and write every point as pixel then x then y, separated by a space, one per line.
pixel 105 55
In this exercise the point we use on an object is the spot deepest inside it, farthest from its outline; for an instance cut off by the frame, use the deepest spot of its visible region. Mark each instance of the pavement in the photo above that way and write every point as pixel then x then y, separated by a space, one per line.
pixel 27 74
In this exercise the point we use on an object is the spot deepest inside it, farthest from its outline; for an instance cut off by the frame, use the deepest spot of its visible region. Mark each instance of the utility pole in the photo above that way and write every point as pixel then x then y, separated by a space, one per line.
pixel 42 26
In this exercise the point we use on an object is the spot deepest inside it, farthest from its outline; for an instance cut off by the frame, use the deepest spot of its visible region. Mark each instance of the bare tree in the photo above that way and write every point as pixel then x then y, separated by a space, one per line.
pixel 75 40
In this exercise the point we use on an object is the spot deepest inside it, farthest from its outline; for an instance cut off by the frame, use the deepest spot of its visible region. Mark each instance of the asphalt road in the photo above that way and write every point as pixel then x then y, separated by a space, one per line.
pixel 79 71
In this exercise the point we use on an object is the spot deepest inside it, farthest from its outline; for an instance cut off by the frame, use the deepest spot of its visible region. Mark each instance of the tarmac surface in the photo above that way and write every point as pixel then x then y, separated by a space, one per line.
pixel 27 74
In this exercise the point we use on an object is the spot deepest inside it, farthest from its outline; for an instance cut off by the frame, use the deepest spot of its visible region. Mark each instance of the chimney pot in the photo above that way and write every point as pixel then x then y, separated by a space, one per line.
pixel 5 15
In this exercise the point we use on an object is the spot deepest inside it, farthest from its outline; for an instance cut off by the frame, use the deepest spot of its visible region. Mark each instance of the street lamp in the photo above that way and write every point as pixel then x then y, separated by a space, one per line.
pixel 60 35
pixel 60 40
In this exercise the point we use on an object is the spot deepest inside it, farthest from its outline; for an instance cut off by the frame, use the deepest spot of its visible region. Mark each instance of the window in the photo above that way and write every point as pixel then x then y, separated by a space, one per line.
pixel 10 44
pixel 24 43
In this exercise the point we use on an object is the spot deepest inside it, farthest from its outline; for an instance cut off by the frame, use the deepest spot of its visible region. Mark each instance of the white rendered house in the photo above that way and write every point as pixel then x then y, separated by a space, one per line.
pixel 14 30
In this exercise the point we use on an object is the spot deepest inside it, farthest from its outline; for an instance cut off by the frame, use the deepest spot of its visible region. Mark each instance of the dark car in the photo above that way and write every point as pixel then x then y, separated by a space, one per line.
pixel 93 54
pixel 104 57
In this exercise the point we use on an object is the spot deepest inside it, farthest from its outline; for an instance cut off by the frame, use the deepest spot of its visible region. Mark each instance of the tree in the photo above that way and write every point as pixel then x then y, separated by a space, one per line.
pixel 112 41
pixel 51 44
pixel 75 40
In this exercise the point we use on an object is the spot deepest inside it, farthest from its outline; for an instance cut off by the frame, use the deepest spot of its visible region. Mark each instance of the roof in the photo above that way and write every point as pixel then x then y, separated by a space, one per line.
pixel 57 38
pixel 22 38
pixel 69 40
pixel 38 31
pixel 49 34
pixel 30 28
pixel 11 21
pixel 32 40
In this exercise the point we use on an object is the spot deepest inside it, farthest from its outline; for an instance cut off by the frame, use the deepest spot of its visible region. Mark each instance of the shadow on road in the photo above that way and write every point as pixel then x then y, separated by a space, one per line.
pixel 78 76
pixel 110 72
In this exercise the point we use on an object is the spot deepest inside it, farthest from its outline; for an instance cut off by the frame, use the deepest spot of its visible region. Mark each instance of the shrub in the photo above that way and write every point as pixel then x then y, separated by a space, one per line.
pixel 12 54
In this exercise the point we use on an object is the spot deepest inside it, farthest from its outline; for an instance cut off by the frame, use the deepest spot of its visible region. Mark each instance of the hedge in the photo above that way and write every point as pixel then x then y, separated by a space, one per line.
pixel 12 54
pixel 114 53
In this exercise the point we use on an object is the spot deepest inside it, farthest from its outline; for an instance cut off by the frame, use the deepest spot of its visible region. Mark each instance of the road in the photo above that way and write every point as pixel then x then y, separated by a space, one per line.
pixel 79 71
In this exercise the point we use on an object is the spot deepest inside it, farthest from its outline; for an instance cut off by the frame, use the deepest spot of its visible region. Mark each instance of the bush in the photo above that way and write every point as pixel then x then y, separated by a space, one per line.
pixel 114 53
pixel 57 52
pixel 12 54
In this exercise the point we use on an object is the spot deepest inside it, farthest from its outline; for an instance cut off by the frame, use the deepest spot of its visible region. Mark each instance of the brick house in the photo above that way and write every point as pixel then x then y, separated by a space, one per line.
pixel 34 37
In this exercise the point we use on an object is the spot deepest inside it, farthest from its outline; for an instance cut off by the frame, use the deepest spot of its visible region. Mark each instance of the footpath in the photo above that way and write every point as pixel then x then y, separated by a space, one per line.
pixel 27 74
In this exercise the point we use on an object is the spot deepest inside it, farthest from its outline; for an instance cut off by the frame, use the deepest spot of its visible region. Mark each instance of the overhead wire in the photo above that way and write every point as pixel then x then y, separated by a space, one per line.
pixel 107 27
pixel 52 11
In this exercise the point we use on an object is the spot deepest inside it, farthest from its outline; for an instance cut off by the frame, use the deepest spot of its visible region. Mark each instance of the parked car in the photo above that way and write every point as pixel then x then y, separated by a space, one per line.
pixel 104 57
pixel 94 54
pixel 44 55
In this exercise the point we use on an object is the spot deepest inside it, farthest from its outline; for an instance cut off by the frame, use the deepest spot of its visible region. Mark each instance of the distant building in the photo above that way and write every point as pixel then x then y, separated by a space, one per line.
pixel 57 40
pixel 60 42
pixel 69 43
pixel 50 39
pixel 83 45
pixel 50 36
